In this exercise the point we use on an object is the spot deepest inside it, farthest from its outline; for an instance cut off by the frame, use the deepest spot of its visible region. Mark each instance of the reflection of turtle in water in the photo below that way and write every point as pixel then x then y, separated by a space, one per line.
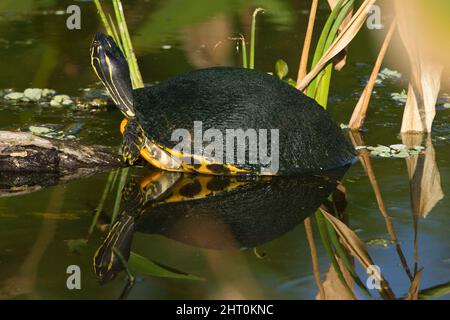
pixel 224 99
pixel 214 212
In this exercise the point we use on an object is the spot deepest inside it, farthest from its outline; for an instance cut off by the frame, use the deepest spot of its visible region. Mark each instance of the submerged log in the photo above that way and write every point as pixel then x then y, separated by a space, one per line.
pixel 29 163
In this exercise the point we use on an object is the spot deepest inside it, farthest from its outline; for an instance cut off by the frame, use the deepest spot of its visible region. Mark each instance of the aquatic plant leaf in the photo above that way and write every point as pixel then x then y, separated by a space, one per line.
pixel 321 224
pixel 343 256
pixel 425 83
pixel 356 247
pixel 281 69
pixel 424 175
pixel 145 266
pixel 39 130
pixel 340 43
pixel 341 59
pixel 398 147
pixel 435 292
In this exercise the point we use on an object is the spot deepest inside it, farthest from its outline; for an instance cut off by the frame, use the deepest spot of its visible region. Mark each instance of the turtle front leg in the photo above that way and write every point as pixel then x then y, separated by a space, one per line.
pixel 133 142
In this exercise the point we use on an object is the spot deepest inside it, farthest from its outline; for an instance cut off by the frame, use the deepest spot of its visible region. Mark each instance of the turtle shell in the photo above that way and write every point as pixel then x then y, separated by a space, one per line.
pixel 234 98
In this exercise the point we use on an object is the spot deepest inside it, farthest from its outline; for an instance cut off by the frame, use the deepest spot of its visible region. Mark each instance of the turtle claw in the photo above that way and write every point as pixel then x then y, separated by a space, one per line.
pixel 133 142
pixel 130 153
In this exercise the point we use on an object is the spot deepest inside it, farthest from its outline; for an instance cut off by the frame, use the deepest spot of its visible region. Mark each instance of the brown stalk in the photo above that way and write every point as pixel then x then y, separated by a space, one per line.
pixel 314 257
pixel 341 58
pixel 360 112
pixel 340 43
pixel 307 44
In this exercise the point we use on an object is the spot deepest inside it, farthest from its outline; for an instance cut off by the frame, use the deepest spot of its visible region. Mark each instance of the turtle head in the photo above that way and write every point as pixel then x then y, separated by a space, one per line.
pixel 111 67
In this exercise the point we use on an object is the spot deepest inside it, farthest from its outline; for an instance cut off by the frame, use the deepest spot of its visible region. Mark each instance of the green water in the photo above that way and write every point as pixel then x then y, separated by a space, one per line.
pixel 37 50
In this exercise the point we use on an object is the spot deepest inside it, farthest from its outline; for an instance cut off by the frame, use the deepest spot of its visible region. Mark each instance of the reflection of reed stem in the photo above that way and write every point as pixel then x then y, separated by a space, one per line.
pixel 364 158
pixel 122 180
pixel 314 257
pixel 109 184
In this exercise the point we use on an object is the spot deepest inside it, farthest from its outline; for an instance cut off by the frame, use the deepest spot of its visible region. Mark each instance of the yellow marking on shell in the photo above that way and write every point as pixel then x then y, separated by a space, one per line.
pixel 155 186
pixel 204 192
pixel 200 164
pixel 171 160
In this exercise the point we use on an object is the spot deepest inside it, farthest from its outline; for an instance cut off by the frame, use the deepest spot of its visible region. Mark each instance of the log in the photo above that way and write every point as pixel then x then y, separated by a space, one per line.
pixel 29 163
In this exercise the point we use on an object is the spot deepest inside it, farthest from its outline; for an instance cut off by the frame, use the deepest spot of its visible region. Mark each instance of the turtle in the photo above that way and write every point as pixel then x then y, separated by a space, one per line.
pixel 238 105
pixel 211 211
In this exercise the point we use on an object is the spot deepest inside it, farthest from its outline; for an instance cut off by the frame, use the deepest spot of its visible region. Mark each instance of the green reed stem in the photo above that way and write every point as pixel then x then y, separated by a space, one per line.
pixel 244 52
pixel 127 45
pixel 102 14
pixel 253 37
pixel 324 78
pixel 320 49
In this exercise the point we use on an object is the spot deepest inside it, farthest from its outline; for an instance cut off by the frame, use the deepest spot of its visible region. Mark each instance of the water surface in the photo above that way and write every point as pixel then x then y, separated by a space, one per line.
pixel 36 50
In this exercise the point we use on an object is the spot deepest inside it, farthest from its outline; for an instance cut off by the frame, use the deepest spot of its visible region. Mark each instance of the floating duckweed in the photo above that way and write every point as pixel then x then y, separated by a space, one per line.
pixel 380 243
pixel 400 97
pixel 39 130
pixel 393 151
pixel 14 96
pixel 398 146
pixel 61 98
pixel 401 154
pixel 380 149
pixel 389 74
pixel 33 94
pixel 48 92
pixel 68 102
pixel 95 101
